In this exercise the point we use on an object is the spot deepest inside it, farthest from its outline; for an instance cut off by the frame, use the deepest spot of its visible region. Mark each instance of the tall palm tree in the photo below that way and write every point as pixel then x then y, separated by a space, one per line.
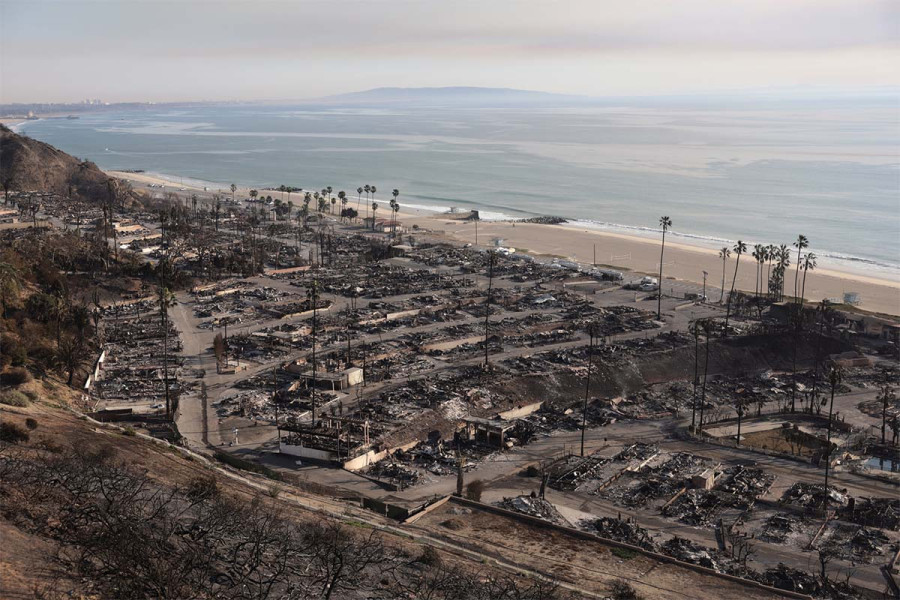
pixel 771 253
pixel 333 203
pixel 367 188
pixel 396 210
pixel 758 254
pixel 394 207
pixel 374 208
pixel 739 248
pixel 809 264
pixel 724 253
pixel 835 376
pixel 801 244
pixel 342 196
pixel 392 203
pixel 707 330
pixel 665 223
pixel 359 192
pixel 784 262
pixel 233 190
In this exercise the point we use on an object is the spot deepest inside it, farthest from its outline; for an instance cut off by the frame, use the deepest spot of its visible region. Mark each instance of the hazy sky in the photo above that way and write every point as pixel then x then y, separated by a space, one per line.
pixel 121 50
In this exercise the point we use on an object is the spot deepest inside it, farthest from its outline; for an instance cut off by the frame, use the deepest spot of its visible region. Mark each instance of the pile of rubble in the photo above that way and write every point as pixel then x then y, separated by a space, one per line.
pixel 783 577
pixel 701 508
pixel 695 554
pixel 854 543
pixel 590 474
pixel 747 482
pixel 874 512
pixel 394 472
pixel 625 531
pixel 655 481
pixel 535 507
pixel 778 528
pixel 812 496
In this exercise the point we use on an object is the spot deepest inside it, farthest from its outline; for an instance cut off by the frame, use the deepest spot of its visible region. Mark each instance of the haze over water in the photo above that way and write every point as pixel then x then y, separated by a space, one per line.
pixel 759 173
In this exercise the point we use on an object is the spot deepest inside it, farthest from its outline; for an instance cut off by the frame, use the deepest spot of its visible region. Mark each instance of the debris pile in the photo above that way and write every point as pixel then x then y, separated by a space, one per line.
pixel 535 507
pixel 625 531
pixel 811 495
pixel 874 512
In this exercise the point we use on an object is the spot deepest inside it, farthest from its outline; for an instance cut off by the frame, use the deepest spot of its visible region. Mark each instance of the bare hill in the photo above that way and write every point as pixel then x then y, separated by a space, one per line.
pixel 30 165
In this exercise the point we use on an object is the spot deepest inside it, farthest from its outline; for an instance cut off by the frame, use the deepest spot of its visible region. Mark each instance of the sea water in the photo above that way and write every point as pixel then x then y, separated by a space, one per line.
pixel 763 174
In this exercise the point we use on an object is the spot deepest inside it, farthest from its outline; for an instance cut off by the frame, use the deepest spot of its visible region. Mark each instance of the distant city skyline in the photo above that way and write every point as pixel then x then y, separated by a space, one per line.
pixel 160 51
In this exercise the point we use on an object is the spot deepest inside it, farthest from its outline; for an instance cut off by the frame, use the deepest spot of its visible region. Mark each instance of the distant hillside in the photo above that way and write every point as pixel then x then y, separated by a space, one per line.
pixel 27 164
pixel 469 96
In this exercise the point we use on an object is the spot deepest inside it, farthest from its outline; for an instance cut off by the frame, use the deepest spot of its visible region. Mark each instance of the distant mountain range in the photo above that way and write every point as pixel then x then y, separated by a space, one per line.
pixel 457 96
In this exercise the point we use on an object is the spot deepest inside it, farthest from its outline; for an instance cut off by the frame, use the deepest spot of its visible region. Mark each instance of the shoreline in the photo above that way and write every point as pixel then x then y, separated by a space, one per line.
pixel 634 253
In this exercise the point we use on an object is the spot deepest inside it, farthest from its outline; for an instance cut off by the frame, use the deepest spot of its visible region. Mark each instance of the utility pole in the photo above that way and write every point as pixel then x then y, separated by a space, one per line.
pixel 487 312
pixel 704 285
pixel 275 402
pixel 835 377
pixel 595 255
pixel 696 327
pixel 587 388
pixel 476 230
pixel 313 295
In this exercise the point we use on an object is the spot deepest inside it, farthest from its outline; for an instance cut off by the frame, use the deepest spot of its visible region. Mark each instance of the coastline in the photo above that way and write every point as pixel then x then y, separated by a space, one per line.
pixel 632 253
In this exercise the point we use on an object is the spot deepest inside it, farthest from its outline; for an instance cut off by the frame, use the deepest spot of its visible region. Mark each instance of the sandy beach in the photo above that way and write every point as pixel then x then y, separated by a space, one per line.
pixel 639 255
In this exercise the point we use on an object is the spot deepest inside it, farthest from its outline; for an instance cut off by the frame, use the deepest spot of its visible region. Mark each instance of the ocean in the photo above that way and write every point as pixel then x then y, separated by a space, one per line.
pixel 763 174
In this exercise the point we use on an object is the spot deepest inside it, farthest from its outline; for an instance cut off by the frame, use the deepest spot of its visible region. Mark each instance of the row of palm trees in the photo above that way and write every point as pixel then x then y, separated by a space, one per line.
pixel 324 197
pixel 766 258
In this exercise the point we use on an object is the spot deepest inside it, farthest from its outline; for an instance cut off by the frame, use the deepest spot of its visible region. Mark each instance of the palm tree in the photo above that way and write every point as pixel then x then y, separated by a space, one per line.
pixel 367 188
pixel 758 254
pixel 770 257
pixel 784 262
pixel 166 301
pixel 394 204
pixel 277 207
pixel 342 196
pixel 312 296
pixel 809 264
pixel 694 328
pixel 396 210
pixel 707 330
pixel 739 248
pixel 333 203
pixel 374 208
pixel 359 192
pixel 254 194
pixel 233 190
pixel 801 244
pixel 724 253
pixel 665 223
pixel 835 376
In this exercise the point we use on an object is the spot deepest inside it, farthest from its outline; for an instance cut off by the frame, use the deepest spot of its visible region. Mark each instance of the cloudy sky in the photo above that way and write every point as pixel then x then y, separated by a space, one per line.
pixel 155 50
